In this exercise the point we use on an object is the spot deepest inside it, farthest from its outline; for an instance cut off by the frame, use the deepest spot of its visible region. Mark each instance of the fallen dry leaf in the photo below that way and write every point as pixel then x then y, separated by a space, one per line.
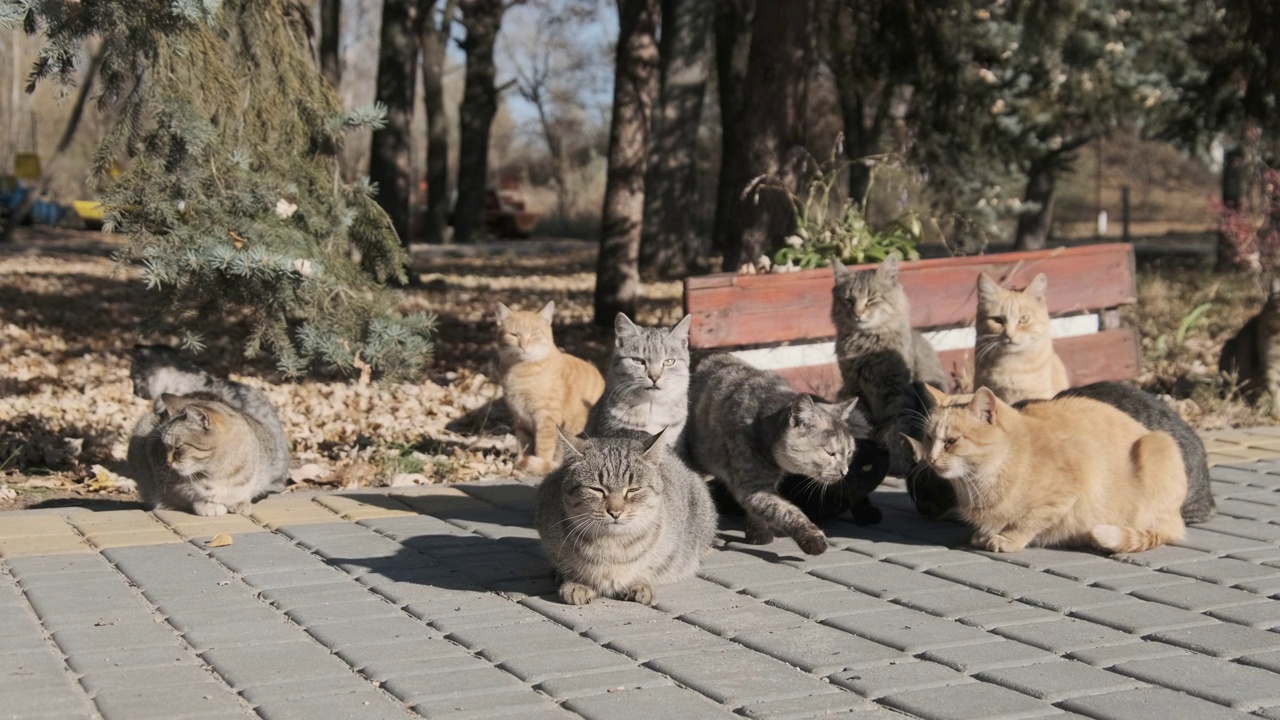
pixel 220 540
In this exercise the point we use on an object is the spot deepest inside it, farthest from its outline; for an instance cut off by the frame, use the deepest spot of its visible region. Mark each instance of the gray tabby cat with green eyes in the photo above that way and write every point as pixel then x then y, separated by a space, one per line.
pixel 647 387
pixel 620 516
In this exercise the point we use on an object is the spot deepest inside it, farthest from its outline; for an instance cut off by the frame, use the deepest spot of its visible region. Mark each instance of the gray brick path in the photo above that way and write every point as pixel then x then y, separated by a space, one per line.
pixel 436 602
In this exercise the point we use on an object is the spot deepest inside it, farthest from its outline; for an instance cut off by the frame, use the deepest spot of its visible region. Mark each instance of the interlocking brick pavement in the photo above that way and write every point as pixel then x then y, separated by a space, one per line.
pixel 436 602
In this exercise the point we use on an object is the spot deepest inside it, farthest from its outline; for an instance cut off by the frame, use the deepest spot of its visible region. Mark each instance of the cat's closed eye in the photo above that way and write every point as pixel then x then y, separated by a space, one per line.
pixel 950 442
pixel 998 320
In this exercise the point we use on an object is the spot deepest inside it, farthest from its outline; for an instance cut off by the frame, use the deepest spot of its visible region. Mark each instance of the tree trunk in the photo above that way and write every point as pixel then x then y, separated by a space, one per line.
pixel 1233 172
pixel 1034 223
pixel 617 270
pixel 330 29
pixel 733 51
pixel 389 161
pixel 773 124
pixel 482 18
pixel 435 39
pixel 670 244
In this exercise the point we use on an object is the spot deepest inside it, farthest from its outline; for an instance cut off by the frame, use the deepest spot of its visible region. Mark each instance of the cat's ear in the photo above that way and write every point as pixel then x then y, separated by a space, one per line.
pixel 939 398
pixel 888 269
pixel 847 412
pixel 199 415
pixel 681 330
pixel 984 405
pixel 917 448
pixel 622 325
pixel 839 270
pixel 571 446
pixel 548 311
pixel 802 411
pixel 1275 285
pixel 653 445
pixel 987 288
pixel 171 403
pixel 1038 287
pixel 501 313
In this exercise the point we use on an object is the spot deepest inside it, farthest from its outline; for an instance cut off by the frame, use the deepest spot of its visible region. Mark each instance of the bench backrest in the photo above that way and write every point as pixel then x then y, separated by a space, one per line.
pixel 783 321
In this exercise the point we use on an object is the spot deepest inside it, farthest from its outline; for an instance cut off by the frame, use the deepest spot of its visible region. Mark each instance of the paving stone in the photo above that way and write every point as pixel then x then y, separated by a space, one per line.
pixel 882 580
pixel 521 704
pixel 694 595
pixel 364 705
pixel 23 525
pixel 1224 571
pixel 1080 598
pixel 54 568
pixel 646 704
pixel 1241 687
pixel 581 660
pixel 1149 703
pixel 1222 640
pixel 66 703
pixel 1217 543
pixel 378 630
pixel 288 598
pixel 201 528
pixel 831 603
pixel 233 635
pixel 288 514
pixel 1115 654
pixel 955 602
pixel 930 559
pixel 672 641
pixel 988 656
pixel 1003 578
pixel 316 575
pixel 908 630
pixel 1019 614
pixel 1060 680
pixel 1268 586
pixel 818 649
pixel 610 682
pixel 751 616
pixel 602 615
pixel 203 700
pixel 968 702
pixel 1198 597
pixel 293 690
pixel 1142 618
pixel 1164 556
pixel 874 682
pixel 90 603
pixel 131 634
pixel 1243 528
pixel 43 545
pixel 264 553
pixel 160 676
pixel 1098 570
pixel 245 609
pixel 502 642
pixel 251 665
pixel 324 613
pixel 133 658
pixel 475 680
pixel 30 671
pixel 736 676
pixel 157 536
pixel 1038 558
pixel 1066 635
pixel 1131 583
pixel 380 663
pixel 835 702
pixel 756 574
pixel 460 610
pixel 1264 615
pixel 1267 660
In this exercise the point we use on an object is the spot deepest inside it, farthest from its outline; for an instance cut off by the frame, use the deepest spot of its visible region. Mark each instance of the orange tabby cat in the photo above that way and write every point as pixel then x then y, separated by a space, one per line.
pixel 1014 354
pixel 1069 471
pixel 544 387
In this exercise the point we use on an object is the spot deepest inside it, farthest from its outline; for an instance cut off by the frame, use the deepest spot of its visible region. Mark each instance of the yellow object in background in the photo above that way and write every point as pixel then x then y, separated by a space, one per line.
pixel 26 166
pixel 88 210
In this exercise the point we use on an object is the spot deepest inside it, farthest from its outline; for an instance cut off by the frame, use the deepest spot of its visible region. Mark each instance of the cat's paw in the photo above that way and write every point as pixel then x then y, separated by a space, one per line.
pixel 577 594
pixel 996 543
pixel 759 535
pixel 812 541
pixel 641 593
pixel 534 465
pixel 240 508
pixel 209 509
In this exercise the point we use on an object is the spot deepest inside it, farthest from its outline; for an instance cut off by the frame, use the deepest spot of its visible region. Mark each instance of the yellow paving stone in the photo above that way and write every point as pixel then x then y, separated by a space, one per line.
pixel 42 545
pixel 105 540
pixel 364 507
pixel 192 526
pixel 419 490
pixel 115 521
pixel 276 513
pixel 17 525
pixel 443 504
pixel 1217 458
pixel 1259 443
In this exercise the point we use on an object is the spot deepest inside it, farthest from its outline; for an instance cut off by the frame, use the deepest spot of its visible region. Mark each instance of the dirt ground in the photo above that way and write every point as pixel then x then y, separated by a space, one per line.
pixel 69 316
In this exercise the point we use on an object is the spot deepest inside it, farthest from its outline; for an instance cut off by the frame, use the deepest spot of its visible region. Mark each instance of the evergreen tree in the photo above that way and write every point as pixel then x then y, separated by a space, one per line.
pixel 230 194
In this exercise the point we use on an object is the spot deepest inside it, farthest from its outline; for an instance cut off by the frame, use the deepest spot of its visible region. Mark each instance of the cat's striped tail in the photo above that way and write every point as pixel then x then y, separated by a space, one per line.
pixel 1116 539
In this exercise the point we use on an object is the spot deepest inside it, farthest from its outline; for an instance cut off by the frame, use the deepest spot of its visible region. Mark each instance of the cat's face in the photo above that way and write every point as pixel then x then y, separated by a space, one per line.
pixel 964 441
pixel 1016 319
pixel 525 336
pixel 870 298
pixel 651 359
pixel 192 434
pixel 611 486
pixel 818 441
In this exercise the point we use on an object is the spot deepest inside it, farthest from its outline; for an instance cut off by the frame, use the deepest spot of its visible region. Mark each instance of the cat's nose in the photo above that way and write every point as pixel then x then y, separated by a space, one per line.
pixel 615 514
pixel 655 377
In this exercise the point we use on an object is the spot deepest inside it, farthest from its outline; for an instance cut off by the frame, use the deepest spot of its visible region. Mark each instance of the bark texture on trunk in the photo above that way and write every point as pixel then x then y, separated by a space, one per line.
pixel 435 40
pixel 482 19
pixel 389 161
pixel 733 51
pixel 772 125
pixel 617 270
pixel 671 245
pixel 330 30
pixel 1035 223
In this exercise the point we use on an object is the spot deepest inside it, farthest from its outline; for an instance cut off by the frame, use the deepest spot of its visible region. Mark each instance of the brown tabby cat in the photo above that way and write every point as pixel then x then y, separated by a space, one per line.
pixel 1253 355
pixel 544 387
pixel 1068 471
pixel 1013 355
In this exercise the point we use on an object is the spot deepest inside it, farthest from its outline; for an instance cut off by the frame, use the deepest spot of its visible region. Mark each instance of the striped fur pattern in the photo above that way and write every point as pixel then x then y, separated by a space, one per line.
pixel 647 388
pixel 1013 353
pixel 201 455
pixel 1064 472
pixel 1252 356
pixel 749 429
pixel 620 516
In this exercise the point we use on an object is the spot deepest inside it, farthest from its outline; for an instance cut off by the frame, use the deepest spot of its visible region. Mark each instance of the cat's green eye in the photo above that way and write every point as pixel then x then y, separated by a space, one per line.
pixel 669 362
pixel 1024 319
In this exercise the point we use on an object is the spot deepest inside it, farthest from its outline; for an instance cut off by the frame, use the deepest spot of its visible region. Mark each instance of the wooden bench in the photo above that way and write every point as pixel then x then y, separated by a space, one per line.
pixel 782 321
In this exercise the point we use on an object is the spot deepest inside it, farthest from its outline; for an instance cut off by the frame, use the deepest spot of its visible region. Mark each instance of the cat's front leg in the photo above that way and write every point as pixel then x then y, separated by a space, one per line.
pixel 544 440
pixel 577 594
pixel 758 532
pixel 997 542
pixel 1017 536
pixel 208 509
pixel 641 593
pixel 240 508
pixel 781 516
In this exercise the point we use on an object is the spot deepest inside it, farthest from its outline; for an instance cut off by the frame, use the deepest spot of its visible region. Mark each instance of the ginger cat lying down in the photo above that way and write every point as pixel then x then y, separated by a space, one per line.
pixel 1069 471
